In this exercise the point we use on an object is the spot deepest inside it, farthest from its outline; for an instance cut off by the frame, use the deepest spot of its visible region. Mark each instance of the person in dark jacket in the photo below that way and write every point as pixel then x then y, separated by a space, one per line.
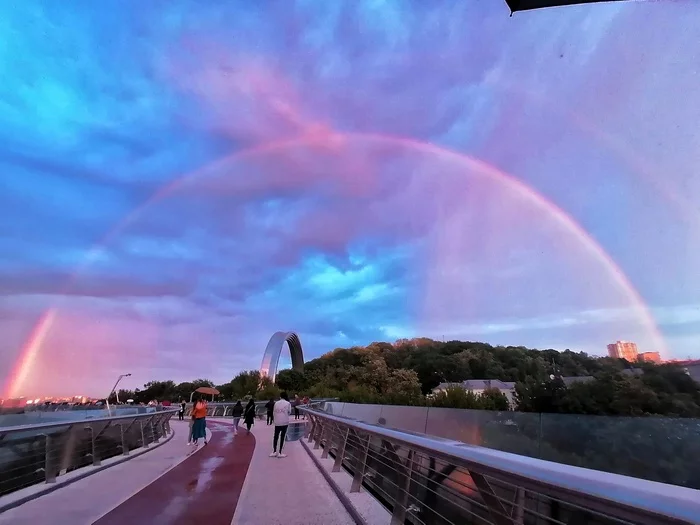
pixel 295 405
pixel 249 414
pixel 181 412
pixel 237 413
pixel 270 406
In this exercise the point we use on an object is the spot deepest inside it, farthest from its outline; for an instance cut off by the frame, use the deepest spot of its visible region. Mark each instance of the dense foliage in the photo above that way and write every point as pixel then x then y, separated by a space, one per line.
pixel 399 373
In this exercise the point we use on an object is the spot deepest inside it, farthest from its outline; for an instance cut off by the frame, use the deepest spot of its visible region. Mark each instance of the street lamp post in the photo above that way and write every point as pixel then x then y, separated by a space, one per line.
pixel 109 410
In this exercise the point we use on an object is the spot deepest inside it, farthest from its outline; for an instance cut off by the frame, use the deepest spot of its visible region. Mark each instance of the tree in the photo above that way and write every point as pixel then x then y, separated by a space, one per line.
pixel 155 391
pixel 246 383
pixel 493 399
pixel 456 397
pixel 540 396
pixel 267 389
pixel 403 388
pixel 124 395
pixel 293 381
pixel 184 390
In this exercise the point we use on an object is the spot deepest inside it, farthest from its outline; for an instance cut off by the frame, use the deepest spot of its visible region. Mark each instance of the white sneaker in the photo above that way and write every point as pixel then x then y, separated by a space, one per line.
pixel 280 455
pixel 273 455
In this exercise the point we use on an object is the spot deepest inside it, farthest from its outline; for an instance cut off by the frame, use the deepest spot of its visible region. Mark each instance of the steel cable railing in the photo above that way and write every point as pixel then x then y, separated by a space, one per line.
pixel 425 480
pixel 31 454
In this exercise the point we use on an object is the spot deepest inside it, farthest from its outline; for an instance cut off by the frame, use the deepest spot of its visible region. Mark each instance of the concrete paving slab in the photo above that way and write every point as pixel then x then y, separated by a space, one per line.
pixel 286 491
pixel 371 511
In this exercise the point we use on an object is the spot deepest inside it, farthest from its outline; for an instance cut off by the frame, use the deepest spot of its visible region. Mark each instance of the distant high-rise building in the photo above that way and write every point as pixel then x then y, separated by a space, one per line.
pixel 623 350
pixel 651 357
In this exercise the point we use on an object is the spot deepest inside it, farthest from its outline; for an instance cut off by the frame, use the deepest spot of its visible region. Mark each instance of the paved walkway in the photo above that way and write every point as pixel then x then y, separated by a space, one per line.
pixel 85 500
pixel 232 480
pixel 286 491
pixel 205 489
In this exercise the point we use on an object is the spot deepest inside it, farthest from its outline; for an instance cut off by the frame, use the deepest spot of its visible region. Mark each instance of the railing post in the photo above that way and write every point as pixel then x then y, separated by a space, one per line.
pixel 125 445
pixel 495 507
pixel 156 431
pixel 93 443
pixel 144 443
pixel 328 435
pixel 310 430
pixel 70 440
pixel 361 466
pixel 519 507
pixel 49 460
pixel 398 515
pixel 319 433
pixel 340 452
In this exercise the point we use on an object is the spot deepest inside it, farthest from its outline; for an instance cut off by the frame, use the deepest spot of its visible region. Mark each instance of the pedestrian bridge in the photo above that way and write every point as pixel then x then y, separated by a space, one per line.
pixel 140 469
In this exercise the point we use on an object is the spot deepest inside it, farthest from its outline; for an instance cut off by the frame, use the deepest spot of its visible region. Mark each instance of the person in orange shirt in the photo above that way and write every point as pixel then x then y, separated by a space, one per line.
pixel 199 418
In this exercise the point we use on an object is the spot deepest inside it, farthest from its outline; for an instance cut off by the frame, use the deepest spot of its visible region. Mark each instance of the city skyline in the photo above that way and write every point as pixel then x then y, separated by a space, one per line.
pixel 181 181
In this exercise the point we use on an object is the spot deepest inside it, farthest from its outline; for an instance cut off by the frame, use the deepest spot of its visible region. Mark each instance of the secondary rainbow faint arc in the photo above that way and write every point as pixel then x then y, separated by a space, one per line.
pixel 31 348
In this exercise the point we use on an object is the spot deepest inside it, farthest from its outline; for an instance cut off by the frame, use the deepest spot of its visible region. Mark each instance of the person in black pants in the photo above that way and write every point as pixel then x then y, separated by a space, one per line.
pixel 296 404
pixel 249 414
pixel 270 406
pixel 281 417
pixel 181 413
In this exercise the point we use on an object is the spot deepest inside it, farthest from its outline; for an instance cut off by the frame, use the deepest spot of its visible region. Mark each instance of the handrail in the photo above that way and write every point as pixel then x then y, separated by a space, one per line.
pixel 614 496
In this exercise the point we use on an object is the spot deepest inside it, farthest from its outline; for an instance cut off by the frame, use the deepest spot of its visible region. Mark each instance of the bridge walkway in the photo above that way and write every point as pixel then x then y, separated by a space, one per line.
pixel 232 480
pixel 286 491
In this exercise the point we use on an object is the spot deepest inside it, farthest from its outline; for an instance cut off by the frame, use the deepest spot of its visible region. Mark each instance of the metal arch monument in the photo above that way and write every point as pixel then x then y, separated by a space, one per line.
pixel 271 358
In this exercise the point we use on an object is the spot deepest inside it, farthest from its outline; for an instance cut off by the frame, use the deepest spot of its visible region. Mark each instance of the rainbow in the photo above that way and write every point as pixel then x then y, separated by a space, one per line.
pixel 333 140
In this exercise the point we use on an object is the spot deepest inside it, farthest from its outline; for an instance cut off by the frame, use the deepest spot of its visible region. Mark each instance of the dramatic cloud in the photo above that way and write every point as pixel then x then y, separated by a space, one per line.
pixel 180 180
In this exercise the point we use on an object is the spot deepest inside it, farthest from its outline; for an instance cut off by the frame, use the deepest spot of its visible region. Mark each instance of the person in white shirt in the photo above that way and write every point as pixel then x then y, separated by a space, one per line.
pixel 280 415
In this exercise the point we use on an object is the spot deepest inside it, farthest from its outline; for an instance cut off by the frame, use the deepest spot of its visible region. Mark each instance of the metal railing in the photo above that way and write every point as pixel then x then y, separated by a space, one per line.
pixel 664 449
pixel 225 408
pixel 427 480
pixel 31 454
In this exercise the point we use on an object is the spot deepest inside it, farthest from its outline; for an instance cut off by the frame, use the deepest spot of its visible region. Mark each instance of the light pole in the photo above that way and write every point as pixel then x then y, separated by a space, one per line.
pixel 109 410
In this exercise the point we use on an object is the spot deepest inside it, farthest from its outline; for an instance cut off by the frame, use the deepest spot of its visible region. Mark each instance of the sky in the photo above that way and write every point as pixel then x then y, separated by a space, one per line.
pixel 180 180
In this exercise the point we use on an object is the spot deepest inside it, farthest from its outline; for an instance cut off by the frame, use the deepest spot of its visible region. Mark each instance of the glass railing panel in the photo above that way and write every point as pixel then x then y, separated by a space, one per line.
pixel 657 449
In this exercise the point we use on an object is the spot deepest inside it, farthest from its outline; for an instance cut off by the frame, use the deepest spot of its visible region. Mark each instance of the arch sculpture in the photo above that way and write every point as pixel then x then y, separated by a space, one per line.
pixel 271 358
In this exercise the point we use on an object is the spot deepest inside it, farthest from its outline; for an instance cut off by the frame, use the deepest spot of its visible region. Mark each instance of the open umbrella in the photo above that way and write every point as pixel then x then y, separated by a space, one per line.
pixel 524 5
pixel 206 390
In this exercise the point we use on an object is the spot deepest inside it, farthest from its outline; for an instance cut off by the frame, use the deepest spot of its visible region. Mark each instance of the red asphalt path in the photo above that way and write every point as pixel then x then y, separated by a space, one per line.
pixel 203 489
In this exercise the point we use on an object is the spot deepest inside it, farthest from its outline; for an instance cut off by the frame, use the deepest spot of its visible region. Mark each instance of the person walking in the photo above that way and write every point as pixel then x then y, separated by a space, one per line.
pixel 296 404
pixel 237 413
pixel 305 402
pixel 249 414
pixel 199 424
pixel 270 406
pixel 281 417
pixel 181 413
